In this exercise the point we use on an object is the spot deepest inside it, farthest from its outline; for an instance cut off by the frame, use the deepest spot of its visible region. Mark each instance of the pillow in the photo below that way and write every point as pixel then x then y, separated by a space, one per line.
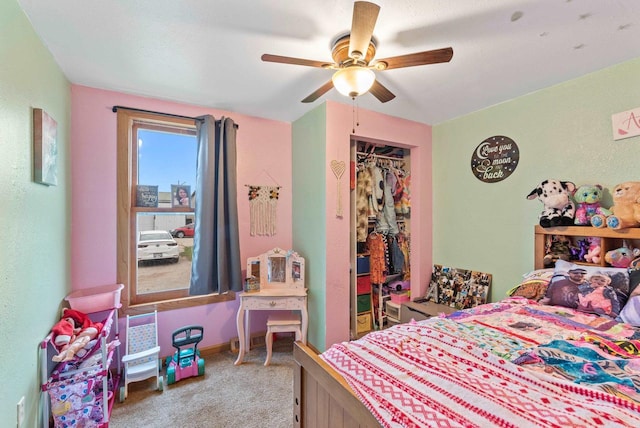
pixel 634 276
pixel 533 286
pixel 533 289
pixel 593 289
pixel 631 311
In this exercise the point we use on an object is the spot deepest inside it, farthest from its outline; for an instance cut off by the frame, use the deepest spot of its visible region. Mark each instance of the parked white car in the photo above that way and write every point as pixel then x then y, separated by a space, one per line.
pixel 157 245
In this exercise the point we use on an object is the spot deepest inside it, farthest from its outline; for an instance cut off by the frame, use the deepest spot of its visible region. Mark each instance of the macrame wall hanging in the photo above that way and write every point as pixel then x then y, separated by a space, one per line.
pixel 263 204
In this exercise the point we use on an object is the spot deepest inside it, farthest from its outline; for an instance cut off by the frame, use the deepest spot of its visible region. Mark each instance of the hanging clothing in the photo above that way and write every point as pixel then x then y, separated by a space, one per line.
pixel 377 191
pixel 402 197
pixel 403 242
pixel 363 194
pixel 395 255
pixel 377 259
pixel 386 222
pixel 397 190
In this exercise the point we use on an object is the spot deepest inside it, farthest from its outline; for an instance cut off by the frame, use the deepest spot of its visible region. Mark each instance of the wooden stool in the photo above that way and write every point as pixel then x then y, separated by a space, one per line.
pixel 281 323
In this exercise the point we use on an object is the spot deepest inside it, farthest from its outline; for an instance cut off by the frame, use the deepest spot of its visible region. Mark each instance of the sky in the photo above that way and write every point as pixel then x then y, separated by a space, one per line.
pixel 165 159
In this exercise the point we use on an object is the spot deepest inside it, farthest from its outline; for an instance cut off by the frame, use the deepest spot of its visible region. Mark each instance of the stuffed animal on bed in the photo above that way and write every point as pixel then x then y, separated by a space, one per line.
pixel 559 208
pixel 625 209
pixel 587 198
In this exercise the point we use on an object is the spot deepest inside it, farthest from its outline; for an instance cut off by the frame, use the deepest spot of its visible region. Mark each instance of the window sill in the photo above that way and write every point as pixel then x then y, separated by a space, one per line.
pixel 181 303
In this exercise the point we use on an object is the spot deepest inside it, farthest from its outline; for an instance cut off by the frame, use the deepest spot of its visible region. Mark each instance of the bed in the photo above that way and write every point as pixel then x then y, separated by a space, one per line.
pixel 512 363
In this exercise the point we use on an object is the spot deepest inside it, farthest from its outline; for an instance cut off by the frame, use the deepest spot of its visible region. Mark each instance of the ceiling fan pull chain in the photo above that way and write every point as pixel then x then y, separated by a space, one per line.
pixel 353 115
pixel 355 121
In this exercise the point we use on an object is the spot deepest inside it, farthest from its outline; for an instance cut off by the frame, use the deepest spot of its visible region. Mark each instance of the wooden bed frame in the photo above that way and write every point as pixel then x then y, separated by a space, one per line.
pixel 322 398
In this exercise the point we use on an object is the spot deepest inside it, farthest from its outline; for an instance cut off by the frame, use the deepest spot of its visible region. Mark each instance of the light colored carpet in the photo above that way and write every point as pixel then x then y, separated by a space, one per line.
pixel 245 396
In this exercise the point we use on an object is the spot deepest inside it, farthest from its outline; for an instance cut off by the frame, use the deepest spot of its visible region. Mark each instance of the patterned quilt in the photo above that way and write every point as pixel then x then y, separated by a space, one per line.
pixel 514 363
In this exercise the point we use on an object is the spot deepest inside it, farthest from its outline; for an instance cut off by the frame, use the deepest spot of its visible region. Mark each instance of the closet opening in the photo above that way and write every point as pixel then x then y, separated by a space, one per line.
pixel 380 235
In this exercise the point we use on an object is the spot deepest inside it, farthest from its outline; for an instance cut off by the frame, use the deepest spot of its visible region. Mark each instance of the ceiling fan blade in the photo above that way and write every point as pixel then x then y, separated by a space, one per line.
pixel 318 92
pixel 294 61
pixel 418 58
pixel 381 93
pixel 364 19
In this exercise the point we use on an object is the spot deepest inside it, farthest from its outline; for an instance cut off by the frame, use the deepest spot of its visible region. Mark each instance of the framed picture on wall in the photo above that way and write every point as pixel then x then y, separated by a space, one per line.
pixel 45 148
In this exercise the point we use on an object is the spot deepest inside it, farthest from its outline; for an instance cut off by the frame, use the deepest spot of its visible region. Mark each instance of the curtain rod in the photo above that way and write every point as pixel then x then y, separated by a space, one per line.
pixel 178 116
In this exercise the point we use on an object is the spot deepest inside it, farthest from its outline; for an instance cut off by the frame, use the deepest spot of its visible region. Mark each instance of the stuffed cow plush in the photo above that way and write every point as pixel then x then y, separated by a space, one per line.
pixel 555 195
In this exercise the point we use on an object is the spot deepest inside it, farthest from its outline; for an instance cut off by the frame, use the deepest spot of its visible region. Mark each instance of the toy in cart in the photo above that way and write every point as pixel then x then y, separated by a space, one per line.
pixel 186 361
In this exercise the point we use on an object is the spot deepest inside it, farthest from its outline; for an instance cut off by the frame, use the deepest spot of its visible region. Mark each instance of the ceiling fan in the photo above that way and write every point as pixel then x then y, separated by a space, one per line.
pixel 353 56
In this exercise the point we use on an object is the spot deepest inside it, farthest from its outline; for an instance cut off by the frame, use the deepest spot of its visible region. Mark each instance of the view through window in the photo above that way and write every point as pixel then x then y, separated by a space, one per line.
pixel 166 160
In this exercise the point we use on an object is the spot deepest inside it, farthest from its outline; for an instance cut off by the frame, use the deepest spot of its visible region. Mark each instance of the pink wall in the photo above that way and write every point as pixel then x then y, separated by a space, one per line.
pixel 397 132
pixel 264 155
pixel 262 147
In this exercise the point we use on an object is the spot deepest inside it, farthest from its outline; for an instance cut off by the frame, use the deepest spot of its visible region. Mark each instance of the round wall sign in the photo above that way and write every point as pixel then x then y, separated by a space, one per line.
pixel 495 159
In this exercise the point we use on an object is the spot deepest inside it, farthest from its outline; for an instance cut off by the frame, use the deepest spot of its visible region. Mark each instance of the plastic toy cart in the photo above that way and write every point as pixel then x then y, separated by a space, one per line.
pixel 79 392
pixel 186 361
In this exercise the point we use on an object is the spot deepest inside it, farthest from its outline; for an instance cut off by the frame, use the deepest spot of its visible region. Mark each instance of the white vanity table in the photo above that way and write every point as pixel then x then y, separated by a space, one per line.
pixel 281 276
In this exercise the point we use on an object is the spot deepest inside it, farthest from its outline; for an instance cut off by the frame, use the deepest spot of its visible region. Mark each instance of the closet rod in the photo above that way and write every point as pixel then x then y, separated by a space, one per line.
pixel 177 116
pixel 380 156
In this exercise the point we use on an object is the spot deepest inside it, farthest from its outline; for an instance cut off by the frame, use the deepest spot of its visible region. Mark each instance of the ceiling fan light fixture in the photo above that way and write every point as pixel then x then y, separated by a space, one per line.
pixel 353 81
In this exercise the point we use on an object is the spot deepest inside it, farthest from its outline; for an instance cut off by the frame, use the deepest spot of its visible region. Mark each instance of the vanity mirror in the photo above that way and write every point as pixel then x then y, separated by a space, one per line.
pixel 277 268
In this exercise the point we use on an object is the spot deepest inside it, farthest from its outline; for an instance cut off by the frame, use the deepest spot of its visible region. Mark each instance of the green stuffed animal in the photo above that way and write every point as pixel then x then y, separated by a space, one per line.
pixel 587 198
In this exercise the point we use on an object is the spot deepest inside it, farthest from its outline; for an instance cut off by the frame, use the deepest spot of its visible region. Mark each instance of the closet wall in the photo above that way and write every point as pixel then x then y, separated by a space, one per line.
pixel 321 137
pixel 380 232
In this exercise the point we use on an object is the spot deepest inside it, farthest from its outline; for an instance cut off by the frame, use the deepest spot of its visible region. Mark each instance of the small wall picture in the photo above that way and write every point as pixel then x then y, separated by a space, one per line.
pixel 495 159
pixel 45 148
pixel 180 195
pixel 626 124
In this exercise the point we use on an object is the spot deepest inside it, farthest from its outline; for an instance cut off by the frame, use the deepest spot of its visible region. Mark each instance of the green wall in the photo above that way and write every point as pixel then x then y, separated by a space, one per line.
pixel 562 132
pixel 34 277
pixel 309 219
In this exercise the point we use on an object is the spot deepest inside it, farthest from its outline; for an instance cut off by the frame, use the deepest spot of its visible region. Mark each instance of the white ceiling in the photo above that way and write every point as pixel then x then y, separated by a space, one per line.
pixel 208 52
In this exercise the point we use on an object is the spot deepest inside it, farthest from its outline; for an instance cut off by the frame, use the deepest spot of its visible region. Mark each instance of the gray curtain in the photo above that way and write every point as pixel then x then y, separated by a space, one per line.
pixel 216 266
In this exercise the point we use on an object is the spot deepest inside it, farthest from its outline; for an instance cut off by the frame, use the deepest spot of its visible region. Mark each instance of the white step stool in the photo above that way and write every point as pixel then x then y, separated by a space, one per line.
pixel 281 323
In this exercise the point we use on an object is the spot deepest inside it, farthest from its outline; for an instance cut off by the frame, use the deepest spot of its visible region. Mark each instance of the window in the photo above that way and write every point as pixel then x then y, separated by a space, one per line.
pixel 155 243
